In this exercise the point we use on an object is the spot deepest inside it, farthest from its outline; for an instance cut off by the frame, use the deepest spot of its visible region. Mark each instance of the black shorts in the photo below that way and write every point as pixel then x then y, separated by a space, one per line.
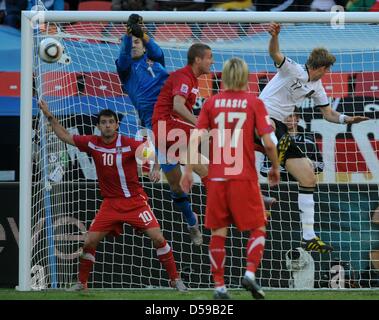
pixel 293 151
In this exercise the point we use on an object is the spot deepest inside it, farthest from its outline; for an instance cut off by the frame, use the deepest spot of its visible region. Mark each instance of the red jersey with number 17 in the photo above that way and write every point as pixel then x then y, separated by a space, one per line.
pixel 233 117
pixel 115 163
pixel 182 82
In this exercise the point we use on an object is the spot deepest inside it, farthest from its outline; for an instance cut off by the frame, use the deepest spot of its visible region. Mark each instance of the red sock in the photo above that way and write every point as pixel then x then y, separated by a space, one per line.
pixel 165 256
pixel 87 259
pixel 255 248
pixel 217 257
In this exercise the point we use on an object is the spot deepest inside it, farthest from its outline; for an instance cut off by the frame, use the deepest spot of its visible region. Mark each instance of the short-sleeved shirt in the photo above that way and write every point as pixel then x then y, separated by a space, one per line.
pixel 182 82
pixel 243 114
pixel 289 88
pixel 115 164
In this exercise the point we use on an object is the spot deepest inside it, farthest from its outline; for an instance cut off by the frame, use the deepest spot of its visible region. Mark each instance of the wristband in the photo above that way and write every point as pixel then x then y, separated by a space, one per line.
pixel 342 119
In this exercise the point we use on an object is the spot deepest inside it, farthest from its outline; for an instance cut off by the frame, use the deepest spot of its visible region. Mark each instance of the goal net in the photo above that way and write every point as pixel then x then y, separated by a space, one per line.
pixel 64 191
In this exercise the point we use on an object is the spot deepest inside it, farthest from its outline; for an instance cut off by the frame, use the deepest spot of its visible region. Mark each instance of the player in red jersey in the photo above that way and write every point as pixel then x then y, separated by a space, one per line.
pixel 233 194
pixel 172 121
pixel 124 198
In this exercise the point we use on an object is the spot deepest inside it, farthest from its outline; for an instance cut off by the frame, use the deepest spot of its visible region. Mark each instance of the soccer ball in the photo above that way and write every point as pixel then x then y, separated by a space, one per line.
pixel 50 50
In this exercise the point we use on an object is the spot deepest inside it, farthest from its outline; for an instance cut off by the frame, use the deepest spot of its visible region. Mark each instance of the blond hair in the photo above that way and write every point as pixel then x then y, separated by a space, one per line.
pixel 320 57
pixel 235 74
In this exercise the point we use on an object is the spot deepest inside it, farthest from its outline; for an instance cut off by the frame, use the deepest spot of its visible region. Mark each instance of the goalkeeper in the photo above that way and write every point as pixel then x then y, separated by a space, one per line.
pixel 141 68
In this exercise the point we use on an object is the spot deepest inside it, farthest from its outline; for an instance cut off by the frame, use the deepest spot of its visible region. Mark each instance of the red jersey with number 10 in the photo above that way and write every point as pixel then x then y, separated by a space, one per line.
pixel 115 163
pixel 234 116
pixel 182 82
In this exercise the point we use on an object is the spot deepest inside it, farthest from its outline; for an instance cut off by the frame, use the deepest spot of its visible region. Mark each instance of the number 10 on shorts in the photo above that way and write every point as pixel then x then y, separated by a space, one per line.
pixel 146 217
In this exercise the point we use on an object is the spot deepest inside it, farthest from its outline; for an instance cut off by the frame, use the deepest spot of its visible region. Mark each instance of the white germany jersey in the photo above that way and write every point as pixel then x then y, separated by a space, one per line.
pixel 289 88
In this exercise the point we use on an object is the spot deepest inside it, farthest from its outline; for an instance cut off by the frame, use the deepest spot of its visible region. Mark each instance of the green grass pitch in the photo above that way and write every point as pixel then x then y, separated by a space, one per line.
pixel 11 294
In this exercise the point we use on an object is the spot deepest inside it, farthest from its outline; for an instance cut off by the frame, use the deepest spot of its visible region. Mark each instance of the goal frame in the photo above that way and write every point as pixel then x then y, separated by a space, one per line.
pixel 30 18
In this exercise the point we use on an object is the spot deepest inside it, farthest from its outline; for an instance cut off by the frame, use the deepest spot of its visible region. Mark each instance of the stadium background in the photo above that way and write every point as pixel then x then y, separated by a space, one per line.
pixel 345 215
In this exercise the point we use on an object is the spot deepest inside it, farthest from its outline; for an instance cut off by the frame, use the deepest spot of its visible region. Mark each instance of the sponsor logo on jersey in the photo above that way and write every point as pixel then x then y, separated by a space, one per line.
pixel 195 90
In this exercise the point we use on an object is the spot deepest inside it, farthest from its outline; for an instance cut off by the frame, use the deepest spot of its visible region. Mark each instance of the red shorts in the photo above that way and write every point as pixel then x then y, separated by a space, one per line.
pixel 114 212
pixel 237 202
pixel 176 131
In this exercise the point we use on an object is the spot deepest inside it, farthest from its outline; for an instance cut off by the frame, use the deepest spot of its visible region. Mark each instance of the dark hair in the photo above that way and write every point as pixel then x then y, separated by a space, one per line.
pixel 297 111
pixel 196 50
pixel 107 113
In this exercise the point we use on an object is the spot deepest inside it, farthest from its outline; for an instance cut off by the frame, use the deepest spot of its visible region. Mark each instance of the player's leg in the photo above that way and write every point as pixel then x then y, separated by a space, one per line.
pixel 302 170
pixel 247 208
pixel 166 257
pixel 181 202
pixel 217 257
pixel 87 259
pixel 103 224
pixel 136 212
pixel 254 253
pixel 217 218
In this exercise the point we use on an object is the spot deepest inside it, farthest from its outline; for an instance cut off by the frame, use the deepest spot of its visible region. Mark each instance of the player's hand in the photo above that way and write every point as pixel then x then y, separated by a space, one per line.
pixel 273 177
pixel 135 30
pixel 44 107
pixel 135 19
pixel 186 181
pixel 134 26
pixel 274 29
pixel 356 119
pixel 155 174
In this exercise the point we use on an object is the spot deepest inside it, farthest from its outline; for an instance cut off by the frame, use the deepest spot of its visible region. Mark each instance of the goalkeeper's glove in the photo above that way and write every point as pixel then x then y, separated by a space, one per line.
pixel 135 30
pixel 135 19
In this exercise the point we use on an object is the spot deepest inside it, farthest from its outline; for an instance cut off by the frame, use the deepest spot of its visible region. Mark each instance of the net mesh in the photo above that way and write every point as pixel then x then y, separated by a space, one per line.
pixel 65 193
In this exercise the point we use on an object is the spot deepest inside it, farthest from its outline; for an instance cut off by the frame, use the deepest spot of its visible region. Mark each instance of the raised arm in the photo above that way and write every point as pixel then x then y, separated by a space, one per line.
pixel 125 58
pixel 58 129
pixel 273 48
pixel 181 109
pixel 336 117
pixel 153 50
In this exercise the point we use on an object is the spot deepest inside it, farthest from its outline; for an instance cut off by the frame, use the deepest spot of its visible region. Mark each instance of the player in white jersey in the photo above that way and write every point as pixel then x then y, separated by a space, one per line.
pixel 292 84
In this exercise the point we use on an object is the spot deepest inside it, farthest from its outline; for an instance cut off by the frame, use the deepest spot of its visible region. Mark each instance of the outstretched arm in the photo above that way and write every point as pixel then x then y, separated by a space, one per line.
pixel 58 129
pixel 336 117
pixel 273 48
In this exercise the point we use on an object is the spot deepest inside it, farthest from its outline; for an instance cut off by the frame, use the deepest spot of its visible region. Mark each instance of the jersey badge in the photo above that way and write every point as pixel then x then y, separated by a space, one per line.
pixel 184 88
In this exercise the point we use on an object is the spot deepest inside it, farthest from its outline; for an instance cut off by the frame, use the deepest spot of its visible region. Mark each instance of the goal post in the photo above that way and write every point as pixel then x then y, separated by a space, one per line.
pixel 58 189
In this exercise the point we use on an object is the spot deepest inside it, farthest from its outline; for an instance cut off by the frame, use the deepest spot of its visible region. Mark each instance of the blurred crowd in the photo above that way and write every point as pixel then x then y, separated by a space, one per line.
pixel 10 9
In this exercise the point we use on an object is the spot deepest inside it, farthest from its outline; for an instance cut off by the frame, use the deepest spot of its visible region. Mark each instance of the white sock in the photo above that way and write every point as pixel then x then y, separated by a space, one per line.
pixel 307 208
pixel 250 275
pixel 221 289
